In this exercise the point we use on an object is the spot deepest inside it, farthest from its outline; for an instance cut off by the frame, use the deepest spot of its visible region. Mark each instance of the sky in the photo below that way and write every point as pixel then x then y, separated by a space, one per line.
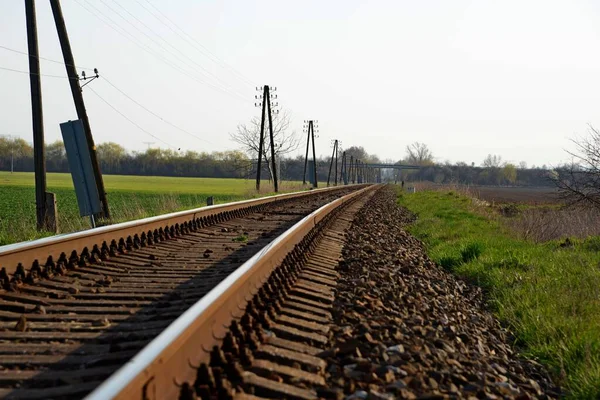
pixel 468 78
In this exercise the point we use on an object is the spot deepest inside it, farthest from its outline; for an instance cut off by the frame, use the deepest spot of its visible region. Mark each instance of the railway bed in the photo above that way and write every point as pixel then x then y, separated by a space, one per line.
pixel 67 325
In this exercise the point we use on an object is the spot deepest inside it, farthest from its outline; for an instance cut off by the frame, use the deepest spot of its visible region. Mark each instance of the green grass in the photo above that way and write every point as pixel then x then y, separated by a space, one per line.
pixel 129 197
pixel 548 295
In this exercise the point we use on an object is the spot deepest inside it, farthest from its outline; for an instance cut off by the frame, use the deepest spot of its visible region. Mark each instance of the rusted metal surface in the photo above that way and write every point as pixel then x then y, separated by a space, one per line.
pixel 64 331
pixel 27 253
pixel 177 357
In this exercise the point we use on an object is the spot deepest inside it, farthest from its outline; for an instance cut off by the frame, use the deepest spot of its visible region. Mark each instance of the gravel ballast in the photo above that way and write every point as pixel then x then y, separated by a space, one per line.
pixel 405 328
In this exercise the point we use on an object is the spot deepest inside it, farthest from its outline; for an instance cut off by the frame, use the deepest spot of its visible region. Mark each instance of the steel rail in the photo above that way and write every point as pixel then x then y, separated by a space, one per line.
pixel 26 253
pixel 172 358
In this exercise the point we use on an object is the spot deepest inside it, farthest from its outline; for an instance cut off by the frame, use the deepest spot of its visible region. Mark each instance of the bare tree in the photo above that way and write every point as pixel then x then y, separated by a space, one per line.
pixel 419 154
pixel 492 161
pixel 248 136
pixel 579 182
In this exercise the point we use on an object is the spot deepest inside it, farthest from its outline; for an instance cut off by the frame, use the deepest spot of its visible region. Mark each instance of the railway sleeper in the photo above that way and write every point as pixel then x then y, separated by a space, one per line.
pixel 276 350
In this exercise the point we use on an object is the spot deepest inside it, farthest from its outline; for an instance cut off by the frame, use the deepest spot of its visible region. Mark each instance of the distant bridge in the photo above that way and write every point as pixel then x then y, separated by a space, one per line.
pixel 393 166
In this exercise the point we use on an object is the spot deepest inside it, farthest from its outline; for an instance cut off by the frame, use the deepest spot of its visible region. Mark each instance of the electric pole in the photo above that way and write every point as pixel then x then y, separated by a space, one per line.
pixel 337 145
pixel 315 185
pixel 37 116
pixel 65 45
pixel 333 156
pixel 265 105
pixel 343 172
pixel 350 176
pixel 310 130
pixel 273 164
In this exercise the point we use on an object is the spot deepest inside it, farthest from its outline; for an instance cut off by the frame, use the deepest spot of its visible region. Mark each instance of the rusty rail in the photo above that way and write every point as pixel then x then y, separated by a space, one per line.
pixel 173 357
pixel 19 256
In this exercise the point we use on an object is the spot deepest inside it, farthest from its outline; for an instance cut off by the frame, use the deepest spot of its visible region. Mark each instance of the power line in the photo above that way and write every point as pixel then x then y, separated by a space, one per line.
pixel 123 32
pixel 131 121
pixel 155 42
pixel 202 48
pixel 153 113
pixel 204 70
pixel 111 84
pixel 31 73
pixel 40 58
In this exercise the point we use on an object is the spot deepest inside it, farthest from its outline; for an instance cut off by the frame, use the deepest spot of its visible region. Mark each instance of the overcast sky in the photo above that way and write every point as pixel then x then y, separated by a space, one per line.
pixel 468 78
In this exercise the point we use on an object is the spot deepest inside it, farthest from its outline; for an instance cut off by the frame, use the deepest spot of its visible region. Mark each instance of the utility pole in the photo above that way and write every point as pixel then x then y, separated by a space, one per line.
pixel 37 117
pixel 310 129
pixel 314 157
pixel 261 141
pixel 343 172
pixel 265 104
pixel 350 172
pixel 273 162
pixel 333 154
pixel 337 145
pixel 65 45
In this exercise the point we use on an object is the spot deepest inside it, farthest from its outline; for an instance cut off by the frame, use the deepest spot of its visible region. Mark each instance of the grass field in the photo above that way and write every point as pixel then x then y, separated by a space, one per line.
pixel 524 195
pixel 130 197
pixel 548 294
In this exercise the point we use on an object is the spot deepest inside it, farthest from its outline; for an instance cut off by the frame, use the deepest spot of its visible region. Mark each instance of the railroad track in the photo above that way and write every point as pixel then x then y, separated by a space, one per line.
pixel 90 301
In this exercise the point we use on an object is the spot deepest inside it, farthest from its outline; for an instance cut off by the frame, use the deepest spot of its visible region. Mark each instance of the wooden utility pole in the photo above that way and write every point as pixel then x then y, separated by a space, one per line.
pixel 310 137
pixel 333 157
pixel 261 141
pixel 307 147
pixel 343 172
pixel 266 107
pixel 314 156
pixel 37 116
pixel 273 163
pixel 337 144
pixel 65 45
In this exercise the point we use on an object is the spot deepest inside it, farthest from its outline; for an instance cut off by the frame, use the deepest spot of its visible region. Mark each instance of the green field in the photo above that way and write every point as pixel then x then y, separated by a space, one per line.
pixel 130 197
pixel 548 294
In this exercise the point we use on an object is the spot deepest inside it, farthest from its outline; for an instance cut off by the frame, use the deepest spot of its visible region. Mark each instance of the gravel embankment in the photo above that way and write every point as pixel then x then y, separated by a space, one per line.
pixel 405 328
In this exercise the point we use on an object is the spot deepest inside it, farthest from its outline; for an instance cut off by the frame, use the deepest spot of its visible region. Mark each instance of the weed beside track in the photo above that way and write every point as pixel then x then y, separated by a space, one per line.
pixel 548 294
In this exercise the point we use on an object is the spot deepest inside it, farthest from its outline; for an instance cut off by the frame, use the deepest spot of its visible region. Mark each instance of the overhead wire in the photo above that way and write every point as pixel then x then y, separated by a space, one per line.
pixel 205 71
pixel 33 73
pixel 152 112
pixel 163 47
pixel 131 121
pixel 121 31
pixel 190 38
pixel 39 57
pixel 104 78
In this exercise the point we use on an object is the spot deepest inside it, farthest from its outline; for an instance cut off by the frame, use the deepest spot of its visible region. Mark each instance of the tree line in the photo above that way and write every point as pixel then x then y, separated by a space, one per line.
pixel 17 154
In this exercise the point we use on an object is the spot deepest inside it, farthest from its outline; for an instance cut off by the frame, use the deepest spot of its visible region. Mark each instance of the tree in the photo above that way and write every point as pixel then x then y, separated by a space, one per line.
pixel 419 154
pixel 110 155
pixel 13 149
pixel 509 173
pixel 357 153
pixel 579 182
pixel 248 136
pixel 492 161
